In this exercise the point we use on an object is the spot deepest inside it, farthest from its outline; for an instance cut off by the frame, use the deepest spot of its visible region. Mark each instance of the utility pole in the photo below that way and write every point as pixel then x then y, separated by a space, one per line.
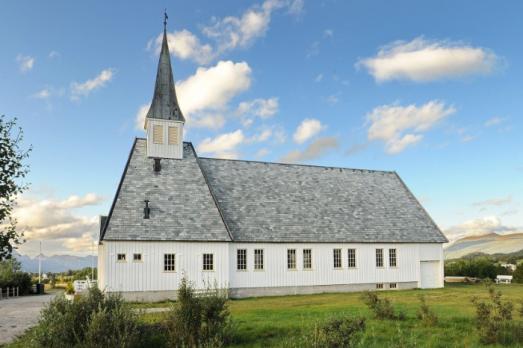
pixel 40 264
pixel 92 261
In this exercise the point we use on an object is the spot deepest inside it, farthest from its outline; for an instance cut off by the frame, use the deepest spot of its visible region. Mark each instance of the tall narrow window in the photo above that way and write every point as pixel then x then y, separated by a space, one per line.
pixel 258 259
pixel 392 258
pixel 351 258
pixel 241 259
pixel 337 258
pixel 169 262
pixel 379 257
pixel 307 258
pixel 291 258
pixel 172 135
pixel 157 134
pixel 208 262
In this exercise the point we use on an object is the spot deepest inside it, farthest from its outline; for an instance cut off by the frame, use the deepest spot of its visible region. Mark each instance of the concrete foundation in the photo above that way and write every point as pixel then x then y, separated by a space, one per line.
pixel 156 296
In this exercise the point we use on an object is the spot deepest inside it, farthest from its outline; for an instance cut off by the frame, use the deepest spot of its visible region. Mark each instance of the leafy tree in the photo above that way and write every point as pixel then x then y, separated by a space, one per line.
pixel 12 170
pixel 518 273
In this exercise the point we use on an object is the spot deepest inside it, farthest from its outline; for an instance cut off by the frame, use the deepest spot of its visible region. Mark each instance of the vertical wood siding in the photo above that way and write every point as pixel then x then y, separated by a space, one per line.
pixel 148 275
pixel 164 150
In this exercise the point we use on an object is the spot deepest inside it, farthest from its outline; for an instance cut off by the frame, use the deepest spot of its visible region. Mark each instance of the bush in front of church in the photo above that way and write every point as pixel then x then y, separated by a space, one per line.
pixel 93 320
pixel 199 320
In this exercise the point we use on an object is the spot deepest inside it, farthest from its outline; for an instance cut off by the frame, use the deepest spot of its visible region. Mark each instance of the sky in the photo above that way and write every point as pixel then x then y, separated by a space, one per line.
pixel 431 90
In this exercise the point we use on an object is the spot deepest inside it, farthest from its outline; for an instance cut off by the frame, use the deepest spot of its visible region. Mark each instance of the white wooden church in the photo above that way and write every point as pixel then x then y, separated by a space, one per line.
pixel 256 228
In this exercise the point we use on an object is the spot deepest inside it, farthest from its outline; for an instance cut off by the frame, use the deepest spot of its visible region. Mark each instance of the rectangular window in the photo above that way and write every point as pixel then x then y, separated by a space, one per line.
pixel 157 134
pixel 291 259
pixel 258 259
pixel 379 257
pixel 307 258
pixel 208 262
pixel 393 285
pixel 172 135
pixel 169 262
pixel 392 258
pixel 351 258
pixel 379 286
pixel 337 258
pixel 120 257
pixel 137 257
pixel 241 259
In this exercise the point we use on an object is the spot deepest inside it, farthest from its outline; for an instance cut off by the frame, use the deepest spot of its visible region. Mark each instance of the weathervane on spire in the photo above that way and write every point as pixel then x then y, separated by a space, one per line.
pixel 165 18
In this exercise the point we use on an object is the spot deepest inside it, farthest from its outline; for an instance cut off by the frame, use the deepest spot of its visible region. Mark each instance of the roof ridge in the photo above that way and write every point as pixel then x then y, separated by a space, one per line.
pixel 300 165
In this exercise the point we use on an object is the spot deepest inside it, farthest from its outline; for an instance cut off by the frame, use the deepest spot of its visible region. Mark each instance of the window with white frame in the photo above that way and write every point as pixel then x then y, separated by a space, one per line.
pixel 379 257
pixel 351 258
pixel 208 262
pixel 392 258
pixel 258 259
pixel 307 258
pixel 172 135
pixel 336 254
pixel 157 134
pixel 241 259
pixel 169 262
pixel 291 259
pixel 137 257
pixel 393 286
pixel 120 257
pixel 379 286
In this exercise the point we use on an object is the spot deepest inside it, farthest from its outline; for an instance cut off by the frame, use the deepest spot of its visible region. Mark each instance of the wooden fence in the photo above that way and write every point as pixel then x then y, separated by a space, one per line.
pixel 9 292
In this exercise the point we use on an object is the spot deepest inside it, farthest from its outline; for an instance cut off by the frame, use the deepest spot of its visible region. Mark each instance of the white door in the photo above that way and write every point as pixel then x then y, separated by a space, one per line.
pixel 430 274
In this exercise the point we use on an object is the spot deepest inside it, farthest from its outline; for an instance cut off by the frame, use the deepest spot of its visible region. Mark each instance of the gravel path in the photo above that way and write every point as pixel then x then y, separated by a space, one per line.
pixel 20 313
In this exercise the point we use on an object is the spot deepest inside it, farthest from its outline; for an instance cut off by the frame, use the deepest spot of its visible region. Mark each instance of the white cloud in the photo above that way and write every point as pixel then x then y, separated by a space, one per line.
pixel 205 92
pixel 263 108
pixel 494 121
pixel 315 150
pixel 400 126
pixel 48 92
pixel 478 227
pixel 264 135
pixel 222 146
pixel 423 60
pixel 262 152
pixel 25 63
pixel 214 87
pixel 54 54
pixel 494 202
pixel 50 219
pixel 43 93
pixel 83 89
pixel 226 33
pixel 328 33
pixel 307 129
pixel 186 45
pixel 318 78
pixel 81 244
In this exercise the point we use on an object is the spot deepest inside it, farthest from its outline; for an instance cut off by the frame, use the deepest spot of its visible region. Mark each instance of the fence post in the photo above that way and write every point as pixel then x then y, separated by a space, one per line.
pixel 0 293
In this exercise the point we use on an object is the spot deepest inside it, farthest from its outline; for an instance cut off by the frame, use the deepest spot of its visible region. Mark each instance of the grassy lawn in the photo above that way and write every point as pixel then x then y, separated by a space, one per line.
pixel 274 321
pixel 278 321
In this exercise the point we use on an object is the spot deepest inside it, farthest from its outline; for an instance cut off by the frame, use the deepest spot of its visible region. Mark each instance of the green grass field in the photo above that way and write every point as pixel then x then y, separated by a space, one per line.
pixel 279 321
pixel 275 321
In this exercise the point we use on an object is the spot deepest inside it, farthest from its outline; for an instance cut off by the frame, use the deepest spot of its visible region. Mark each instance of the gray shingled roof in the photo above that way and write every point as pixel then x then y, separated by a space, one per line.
pixel 264 202
pixel 182 207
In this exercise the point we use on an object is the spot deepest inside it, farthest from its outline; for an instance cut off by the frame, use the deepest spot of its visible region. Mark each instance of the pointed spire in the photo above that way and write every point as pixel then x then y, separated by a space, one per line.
pixel 165 104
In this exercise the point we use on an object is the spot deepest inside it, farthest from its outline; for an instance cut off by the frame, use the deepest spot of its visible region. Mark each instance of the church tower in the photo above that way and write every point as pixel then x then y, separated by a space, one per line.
pixel 164 121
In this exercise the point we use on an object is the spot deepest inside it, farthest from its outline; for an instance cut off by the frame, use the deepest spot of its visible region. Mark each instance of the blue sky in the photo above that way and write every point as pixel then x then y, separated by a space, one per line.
pixel 431 90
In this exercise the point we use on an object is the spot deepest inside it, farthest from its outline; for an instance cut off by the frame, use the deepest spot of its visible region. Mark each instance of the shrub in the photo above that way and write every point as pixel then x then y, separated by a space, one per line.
pixel 69 289
pixel 199 321
pixel 425 314
pixel 93 320
pixel 494 320
pixel 342 332
pixel 382 308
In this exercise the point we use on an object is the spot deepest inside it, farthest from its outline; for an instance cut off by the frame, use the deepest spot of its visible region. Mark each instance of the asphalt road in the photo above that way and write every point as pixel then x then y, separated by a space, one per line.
pixel 20 313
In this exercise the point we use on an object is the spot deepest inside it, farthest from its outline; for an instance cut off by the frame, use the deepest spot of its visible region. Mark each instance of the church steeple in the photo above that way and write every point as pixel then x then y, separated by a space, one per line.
pixel 164 121
pixel 165 104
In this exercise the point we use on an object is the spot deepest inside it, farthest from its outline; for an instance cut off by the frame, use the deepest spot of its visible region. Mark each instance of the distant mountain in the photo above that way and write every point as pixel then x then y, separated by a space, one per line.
pixel 56 263
pixel 491 243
